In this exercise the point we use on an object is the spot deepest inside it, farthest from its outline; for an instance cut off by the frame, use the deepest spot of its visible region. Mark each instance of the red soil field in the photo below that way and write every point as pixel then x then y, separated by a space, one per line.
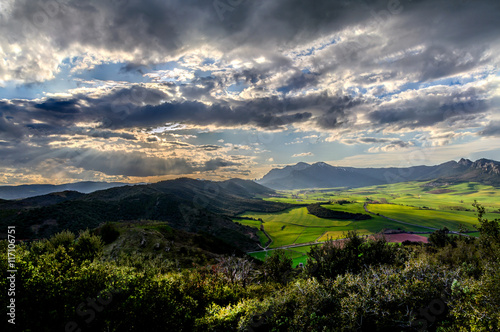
pixel 404 237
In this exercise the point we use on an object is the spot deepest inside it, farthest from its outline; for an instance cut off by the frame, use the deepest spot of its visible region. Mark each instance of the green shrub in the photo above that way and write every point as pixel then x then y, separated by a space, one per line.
pixel 88 246
pixel 64 238
pixel 351 255
pixel 440 238
pixel 489 229
pixel 278 267
pixel 108 233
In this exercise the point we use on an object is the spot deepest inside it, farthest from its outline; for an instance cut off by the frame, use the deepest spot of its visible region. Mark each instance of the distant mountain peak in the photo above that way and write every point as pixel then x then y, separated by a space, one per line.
pixel 321 164
pixel 465 162
pixel 301 165
pixel 487 166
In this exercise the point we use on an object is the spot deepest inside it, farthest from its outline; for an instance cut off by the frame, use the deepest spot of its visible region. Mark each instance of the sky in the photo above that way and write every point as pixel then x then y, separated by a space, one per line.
pixel 149 90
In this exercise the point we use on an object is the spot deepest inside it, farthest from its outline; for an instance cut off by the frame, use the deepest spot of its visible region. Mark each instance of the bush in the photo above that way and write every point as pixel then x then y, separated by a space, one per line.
pixel 277 267
pixel 108 233
pixel 64 238
pixel 350 255
pixel 88 246
pixel 440 238
pixel 489 230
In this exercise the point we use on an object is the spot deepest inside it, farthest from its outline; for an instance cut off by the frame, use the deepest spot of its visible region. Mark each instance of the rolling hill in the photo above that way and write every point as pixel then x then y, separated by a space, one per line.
pixel 186 204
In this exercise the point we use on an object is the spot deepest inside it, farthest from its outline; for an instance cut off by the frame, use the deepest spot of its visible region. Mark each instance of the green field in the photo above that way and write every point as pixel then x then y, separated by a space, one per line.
pixel 408 193
pixel 417 205
pixel 297 254
pixel 296 225
pixel 430 218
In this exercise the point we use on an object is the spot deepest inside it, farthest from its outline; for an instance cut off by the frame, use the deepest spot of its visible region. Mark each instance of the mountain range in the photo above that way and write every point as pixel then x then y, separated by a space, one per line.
pixel 30 190
pixel 323 175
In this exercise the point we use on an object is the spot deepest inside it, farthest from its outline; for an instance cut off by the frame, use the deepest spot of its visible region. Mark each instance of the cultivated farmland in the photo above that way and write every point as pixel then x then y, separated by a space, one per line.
pixel 411 207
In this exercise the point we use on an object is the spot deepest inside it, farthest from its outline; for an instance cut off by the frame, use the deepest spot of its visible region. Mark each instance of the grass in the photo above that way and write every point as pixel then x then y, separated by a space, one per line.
pixel 296 225
pixel 262 238
pixel 418 202
pixel 430 218
pixel 246 222
pixel 340 235
pixel 298 255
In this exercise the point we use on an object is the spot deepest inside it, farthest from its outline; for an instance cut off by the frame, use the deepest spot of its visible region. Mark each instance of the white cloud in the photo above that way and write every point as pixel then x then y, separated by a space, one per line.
pixel 304 154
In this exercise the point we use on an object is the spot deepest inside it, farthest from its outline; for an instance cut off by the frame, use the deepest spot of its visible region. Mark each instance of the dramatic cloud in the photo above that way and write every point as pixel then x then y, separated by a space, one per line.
pixel 141 90
pixel 492 129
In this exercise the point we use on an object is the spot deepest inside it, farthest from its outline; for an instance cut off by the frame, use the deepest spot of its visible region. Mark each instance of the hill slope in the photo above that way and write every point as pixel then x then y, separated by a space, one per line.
pixel 186 204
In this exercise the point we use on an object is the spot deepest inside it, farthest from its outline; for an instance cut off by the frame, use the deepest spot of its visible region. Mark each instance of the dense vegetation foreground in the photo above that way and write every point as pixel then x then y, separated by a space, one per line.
pixel 67 283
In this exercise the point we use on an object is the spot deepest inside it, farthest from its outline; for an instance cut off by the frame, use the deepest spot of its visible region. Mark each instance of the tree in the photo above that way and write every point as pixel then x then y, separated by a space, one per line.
pixel 278 267
pixel 489 230
pixel 108 233
pixel 235 269
pixel 352 254
pixel 440 238
pixel 88 246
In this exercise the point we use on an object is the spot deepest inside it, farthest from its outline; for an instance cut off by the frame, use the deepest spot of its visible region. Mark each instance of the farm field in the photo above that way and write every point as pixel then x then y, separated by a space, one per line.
pixel 420 194
pixel 430 218
pixel 296 225
pixel 421 204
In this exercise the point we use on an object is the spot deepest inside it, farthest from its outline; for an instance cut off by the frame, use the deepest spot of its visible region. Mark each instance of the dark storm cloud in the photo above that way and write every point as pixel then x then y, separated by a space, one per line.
pixel 209 147
pixel 40 129
pixel 133 67
pixel 201 114
pixel 492 129
pixel 152 29
pixel 298 81
pixel 375 140
pixel 58 106
pixel 113 25
pixel 146 108
pixel 251 75
pixel 109 134
pixel 114 113
pixel 60 116
pixel 9 130
pixel 426 111
pixel 438 61
pixel 107 162
pixel 193 91
pixel 129 164
pixel 339 114
pixel 136 95
pixel 215 164
pixel 448 46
